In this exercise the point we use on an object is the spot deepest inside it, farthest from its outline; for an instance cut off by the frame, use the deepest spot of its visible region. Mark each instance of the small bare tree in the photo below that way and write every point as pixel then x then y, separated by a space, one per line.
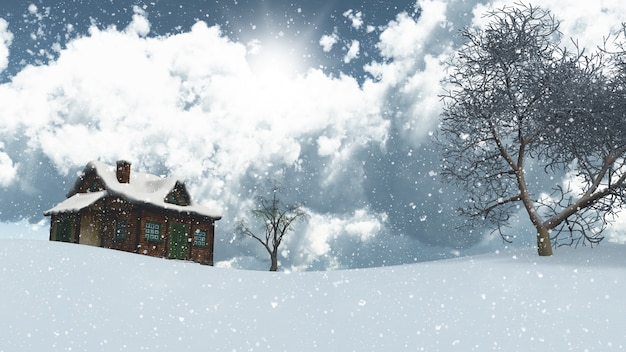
pixel 278 220
pixel 518 101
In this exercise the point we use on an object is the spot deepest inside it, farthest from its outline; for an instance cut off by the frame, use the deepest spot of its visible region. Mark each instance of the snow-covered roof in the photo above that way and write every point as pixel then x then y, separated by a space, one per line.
pixel 142 189
pixel 76 202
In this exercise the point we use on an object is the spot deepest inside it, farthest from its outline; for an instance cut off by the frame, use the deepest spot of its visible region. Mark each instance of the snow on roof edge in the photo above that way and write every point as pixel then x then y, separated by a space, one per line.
pixel 76 202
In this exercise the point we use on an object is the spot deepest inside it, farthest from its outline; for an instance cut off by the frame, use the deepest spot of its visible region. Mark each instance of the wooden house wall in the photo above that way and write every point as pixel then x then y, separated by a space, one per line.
pixel 166 219
pixel 97 224
pixel 203 255
pixel 117 210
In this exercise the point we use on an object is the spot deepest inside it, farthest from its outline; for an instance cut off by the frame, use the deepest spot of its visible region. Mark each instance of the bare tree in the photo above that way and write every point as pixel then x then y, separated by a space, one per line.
pixel 278 220
pixel 516 102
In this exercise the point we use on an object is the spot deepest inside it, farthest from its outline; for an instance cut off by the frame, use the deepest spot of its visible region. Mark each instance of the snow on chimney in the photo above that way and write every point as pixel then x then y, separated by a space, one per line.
pixel 123 171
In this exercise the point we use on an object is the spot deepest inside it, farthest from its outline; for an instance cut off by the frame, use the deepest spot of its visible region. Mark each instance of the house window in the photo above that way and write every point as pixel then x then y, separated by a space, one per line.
pixel 171 198
pixel 199 238
pixel 94 187
pixel 121 230
pixel 153 231
pixel 64 230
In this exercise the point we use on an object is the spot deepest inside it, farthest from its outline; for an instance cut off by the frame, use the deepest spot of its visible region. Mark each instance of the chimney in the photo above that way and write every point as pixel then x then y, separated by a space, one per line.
pixel 123 171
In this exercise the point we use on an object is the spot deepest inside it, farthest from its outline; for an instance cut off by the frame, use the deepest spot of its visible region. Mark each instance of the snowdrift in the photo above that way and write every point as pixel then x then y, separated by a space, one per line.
pixel 60 297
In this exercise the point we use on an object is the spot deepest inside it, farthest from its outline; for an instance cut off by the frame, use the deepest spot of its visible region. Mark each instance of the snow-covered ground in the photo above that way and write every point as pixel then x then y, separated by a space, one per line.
pixel 62 297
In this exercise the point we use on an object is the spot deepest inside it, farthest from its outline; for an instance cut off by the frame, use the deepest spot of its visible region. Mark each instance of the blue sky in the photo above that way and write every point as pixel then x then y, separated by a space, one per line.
pixel 335 99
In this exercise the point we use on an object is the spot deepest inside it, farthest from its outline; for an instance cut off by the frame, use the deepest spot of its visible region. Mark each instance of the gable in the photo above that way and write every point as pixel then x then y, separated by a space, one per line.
pixel 178 195
pixel 88 183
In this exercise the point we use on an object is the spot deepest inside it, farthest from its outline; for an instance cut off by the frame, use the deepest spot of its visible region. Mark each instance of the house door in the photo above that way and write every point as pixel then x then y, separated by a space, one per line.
pixel 89 230
pixel 178 241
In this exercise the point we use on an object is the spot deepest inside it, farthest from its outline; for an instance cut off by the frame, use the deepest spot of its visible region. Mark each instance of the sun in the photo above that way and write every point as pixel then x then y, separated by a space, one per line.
pixel 275 61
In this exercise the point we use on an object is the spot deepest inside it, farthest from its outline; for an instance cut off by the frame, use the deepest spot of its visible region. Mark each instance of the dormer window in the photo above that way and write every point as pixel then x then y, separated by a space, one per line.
pixel 94 186
pixel 171 198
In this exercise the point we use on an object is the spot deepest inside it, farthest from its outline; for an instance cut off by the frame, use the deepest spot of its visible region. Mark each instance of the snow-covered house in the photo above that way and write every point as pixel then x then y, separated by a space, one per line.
pixel 141 213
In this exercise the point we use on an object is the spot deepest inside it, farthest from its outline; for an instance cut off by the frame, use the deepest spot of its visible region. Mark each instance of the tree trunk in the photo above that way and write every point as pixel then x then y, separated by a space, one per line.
pixel 274 259
pixel 544 246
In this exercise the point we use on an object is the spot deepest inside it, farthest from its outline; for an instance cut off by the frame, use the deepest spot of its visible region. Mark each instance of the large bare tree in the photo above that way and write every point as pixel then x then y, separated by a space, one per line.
pixel 278 220
pixel 519 105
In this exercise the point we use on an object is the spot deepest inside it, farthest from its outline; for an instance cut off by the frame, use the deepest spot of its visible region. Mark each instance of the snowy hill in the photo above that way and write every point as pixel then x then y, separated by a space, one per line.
pixel 61 297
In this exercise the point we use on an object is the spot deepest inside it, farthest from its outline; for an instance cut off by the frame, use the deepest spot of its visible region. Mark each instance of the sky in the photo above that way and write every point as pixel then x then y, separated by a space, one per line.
pixel 336 100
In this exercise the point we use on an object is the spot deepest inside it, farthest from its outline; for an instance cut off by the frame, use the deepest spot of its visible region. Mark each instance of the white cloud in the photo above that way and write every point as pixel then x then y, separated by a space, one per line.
pixel 353 51
pixel 328 41
pixel 405 39
pixel 407 36
pixel 254 46
pixel 423 115
pixel 356 17
pixel 139 25
pixel 616 231
pixel 363 225
pixel 171 102
pixel 417 49
pixel 324 230
pixel 8 169
pixel 6 38
pixel 328 146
